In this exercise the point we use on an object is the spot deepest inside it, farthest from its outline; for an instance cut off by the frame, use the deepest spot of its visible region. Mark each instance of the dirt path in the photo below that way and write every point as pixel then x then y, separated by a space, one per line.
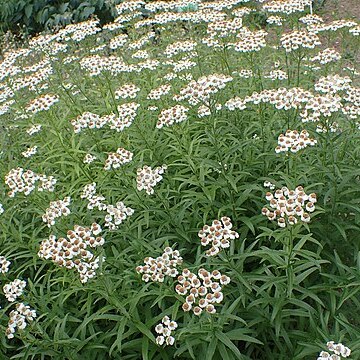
pixel 341 9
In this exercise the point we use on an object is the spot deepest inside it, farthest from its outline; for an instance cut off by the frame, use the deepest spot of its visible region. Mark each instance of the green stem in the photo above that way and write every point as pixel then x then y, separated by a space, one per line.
pixel 289 266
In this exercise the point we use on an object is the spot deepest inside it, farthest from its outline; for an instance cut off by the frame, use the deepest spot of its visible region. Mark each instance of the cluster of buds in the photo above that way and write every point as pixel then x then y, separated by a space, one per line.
pixel 43 102
pixel 294 141
pixel 340 351
pixel 165 265
pixel 18 319
pixel 287 206
pixel 4 265
pixel 116 215
pixel 127 91
pixel 199 91
pixel 118 158
pixel 29 152
pixel 14 289
pixel 175 114
pixel 299 39
pixel 201 291
pixel 147 178
pixel 55 210
pixel 219 234
pixel 164 329
pixel 22 181
pixel 73 251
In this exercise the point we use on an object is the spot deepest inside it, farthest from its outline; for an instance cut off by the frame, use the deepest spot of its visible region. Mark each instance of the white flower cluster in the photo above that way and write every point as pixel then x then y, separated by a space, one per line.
pixel 332 26
pixel 288 206
pixel 250 40
pixel 127 113
pixel 276 75
pixel 332 83
pixel 219 234
pixel 1 209
pixel 88 159
pixel 118 41
pixel 78 32
pixel 294 141
pixel 175 114
pixel 281 98
pixel 140 54
pixel 22 181
pixel 18 319
pixel 246 73
pixel 156 94
pixel 181 65
pixel 127 91
pixel 355 30
pixel 275 20
pixel 199 91
pixel 118 158
pixel 286 6
pixel 268 184
pixel 178 47
pixel 4 265
pixel 340 351
pixel 165 265
pixel 55 210
pixel 125 117
pixel 240 12
pixel 352 99
pixel 328 127
pixel 321 105
pixel 116 215
pixel 73 251
pixel 223 27
pixel 42 103
pixel 299 39
pixel 33 129
pixel 311 19
pixel 326 56
pixel 88 120
pixel 94 200
pixel 29 152
pixel 14 289
pixel 147 178
pixel 164 329
pixel 202 291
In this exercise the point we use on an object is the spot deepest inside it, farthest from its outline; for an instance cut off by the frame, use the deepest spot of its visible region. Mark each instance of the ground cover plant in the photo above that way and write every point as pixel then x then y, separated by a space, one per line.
pixel 182 183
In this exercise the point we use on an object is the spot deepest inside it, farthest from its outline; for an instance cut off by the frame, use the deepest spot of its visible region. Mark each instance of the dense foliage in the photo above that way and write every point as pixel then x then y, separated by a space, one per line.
pixel 181 183
pixel 33 16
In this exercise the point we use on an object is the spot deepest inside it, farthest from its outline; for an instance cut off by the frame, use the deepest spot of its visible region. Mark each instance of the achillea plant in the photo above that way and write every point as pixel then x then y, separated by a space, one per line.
pixel 150 128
